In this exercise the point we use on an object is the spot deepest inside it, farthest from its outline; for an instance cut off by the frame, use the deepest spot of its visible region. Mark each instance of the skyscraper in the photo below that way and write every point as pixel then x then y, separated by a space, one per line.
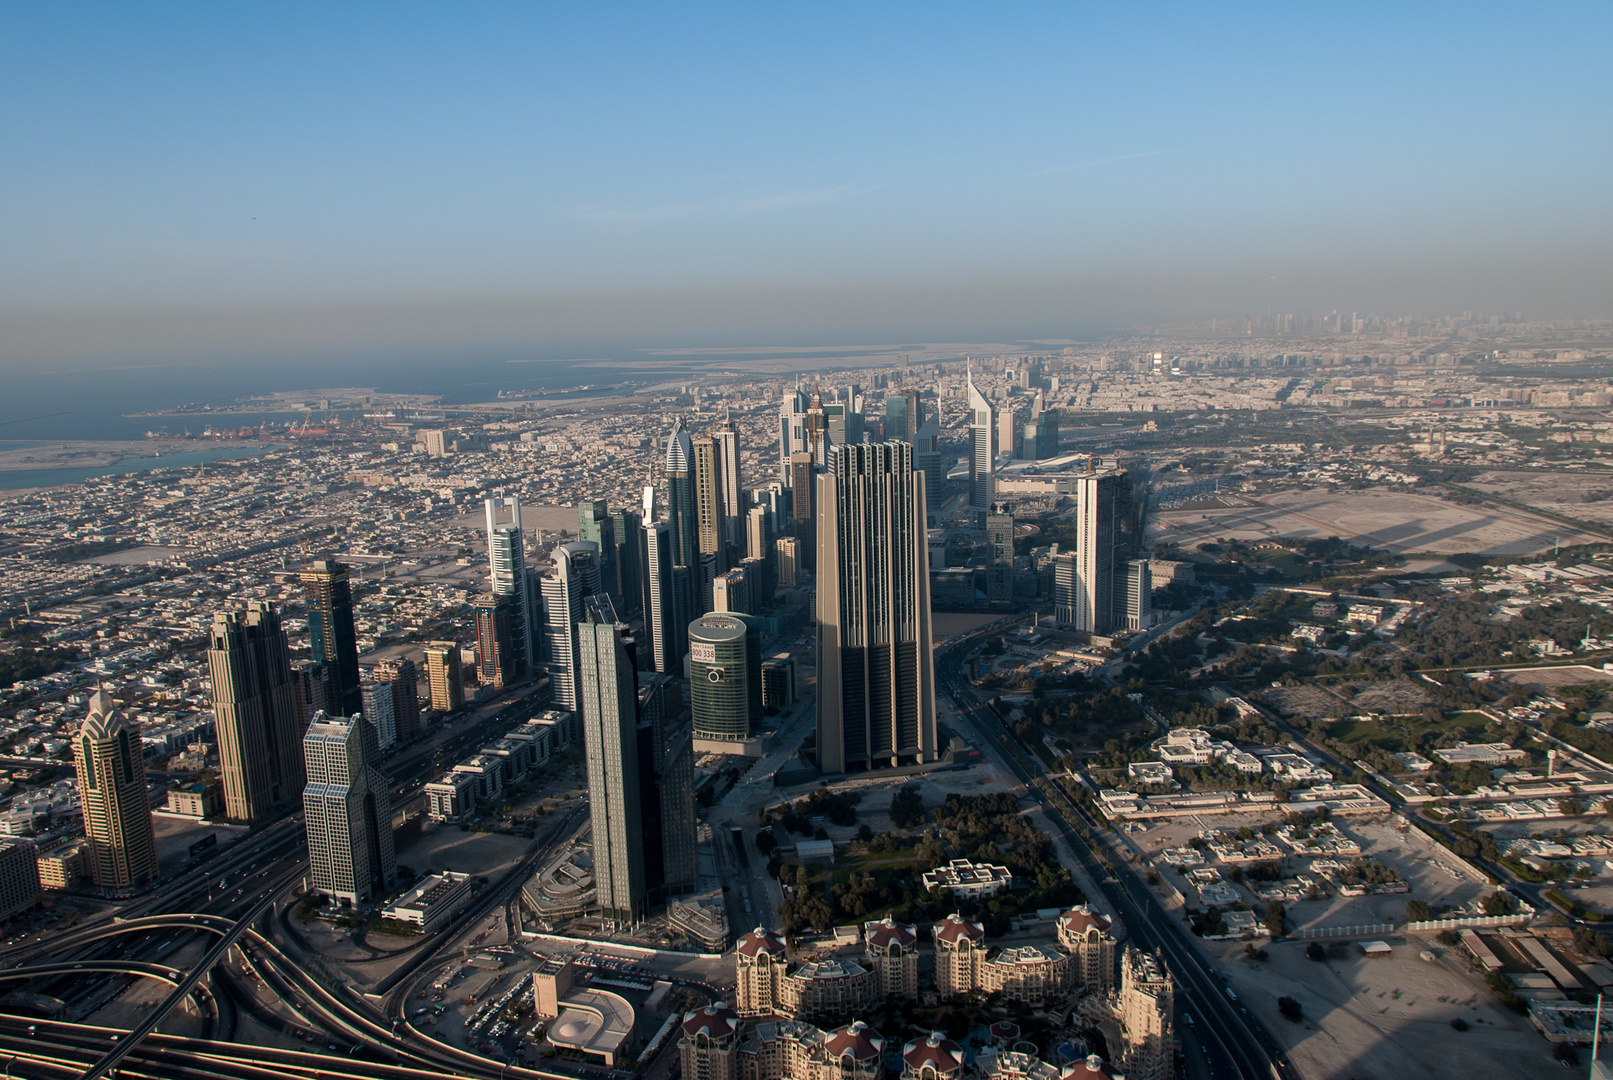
pixel 710 514
pixel 756 533
pixel 730 591
pixel 876 692
pixel 496 663
pixel 786 556
pixel 330 629
pixel 680 498
pixel 902 416
pixel 733 527
pixel 122 850
pixel 254 712
pixel 982 454
pixel 574 576
pixel 400 672
pixel 1000 571
pixel 506 560
pixel 628 536
pixel 1008 434
pixel 1066 584
pixel 804 509
pixel 661 600
pixel 927 457
pixel 310 684
pixel 610 739
pixel 1139 594
pixel 666 799
pixel 1047 434
pixel 347 812
pixel 380 712
pixel 1102 506
pixel 718 684
pixel 443 676
pixel 817 430
pixel 594 526
pixel 792 431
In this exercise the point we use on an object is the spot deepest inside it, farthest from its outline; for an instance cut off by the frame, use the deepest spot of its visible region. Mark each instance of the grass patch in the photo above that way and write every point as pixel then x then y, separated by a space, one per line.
pixel 1395 734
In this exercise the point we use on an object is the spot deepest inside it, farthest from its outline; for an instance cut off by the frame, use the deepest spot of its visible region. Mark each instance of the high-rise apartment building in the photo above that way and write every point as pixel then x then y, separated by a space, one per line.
pixel 1146 1000
pixel 792 432
pixel 1008 433
pixel 610 738
pixel 347 812
pixel 733 523
pixel 380 712
pixel 710 514
pixel 310 689
pixel 804 510
pixel 330 629
pixel 575 575
pixel 680 496
pixel 507 576
pixel 400 672
pixel 1066 583
pixel 1139 594
pixel 496 663
pixel 982 452
pixel 719 688
pixel 1000 570
pixel 443 676
pixel 666 800
pixel 817 430
pixel 19 876
pixel 876 692
pixel 254 712
pixel 757 544
pixel 120 847
pixel 660 600
pixel 786 557
pixel 927 457
pixel 731 592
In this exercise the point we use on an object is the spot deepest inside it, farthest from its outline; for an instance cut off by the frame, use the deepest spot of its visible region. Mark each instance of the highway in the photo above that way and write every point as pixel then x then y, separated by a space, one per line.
pixel 1235 1043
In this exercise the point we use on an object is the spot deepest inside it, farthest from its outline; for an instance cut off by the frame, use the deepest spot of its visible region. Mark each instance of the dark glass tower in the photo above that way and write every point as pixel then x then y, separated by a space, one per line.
pixel 330 630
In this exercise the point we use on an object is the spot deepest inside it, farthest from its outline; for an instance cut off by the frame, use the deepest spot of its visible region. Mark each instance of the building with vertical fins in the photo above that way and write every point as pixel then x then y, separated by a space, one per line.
pixel 330 629
pixel 347 812
pixel 792 432
pixel 254 712
pixel 609 709
pixel 680 496
pixel 1139 594
pixel 120 847
pixel 1102 510
pixel 506 562
pixel 496 663
pixel 1000 571
pixel 982 452
pixel 876 677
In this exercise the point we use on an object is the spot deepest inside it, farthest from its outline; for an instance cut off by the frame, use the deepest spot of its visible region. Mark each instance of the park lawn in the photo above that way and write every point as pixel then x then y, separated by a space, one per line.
pixel 1395 734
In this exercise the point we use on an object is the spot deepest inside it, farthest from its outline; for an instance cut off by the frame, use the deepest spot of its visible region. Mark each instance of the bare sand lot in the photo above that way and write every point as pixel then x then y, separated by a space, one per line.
pixel 1386 1018
pixel 1383 518
pixel 551 519
pixel 1588 497
pixel 1555 678
pixel 141 556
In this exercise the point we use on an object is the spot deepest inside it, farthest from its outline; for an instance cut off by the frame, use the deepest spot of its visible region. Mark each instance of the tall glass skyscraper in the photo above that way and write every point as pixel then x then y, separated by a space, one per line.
pixel 506 560
pixel 680 496
pixel 330 630
pixel 254 712
pixel 121 846
pixel 876 676
pixel 982 452
pixel 575 576
pixel 609 710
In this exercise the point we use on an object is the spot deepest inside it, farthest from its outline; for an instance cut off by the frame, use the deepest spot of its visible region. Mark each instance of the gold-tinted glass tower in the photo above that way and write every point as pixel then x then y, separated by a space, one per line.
pixel 112 791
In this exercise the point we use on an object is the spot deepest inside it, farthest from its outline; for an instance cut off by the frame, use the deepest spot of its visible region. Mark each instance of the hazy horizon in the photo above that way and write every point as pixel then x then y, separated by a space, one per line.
pixel 298 180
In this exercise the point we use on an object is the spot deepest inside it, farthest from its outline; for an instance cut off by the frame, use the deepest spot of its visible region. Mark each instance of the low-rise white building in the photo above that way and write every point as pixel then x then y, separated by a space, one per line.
pixel 432 902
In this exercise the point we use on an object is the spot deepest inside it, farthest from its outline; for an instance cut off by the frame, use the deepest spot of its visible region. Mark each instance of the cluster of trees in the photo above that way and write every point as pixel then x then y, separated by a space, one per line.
pixel 27 656
pixel 840 807
pixel 1368 872
pixel 907 807
pixel 1461 632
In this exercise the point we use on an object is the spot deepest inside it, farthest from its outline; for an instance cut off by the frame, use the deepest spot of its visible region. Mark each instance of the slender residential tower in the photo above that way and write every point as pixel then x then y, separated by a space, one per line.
pixel 122 849
pixel 254 712
pixel 876 676
pixel 982 457
pixel 733 510
pixel 792 432
pixel 575 575
pixel 506 559
pixel 710 515
pixel 680 502
pixel 1102 506
pixel 609 711
pixel 661 603
pixel 330 629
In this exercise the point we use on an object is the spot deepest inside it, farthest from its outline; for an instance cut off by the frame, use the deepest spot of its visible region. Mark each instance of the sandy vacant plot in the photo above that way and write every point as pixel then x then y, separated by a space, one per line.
pixel 1554 678
pixel 1588 497
pixel 1395 520
pixel 1386 1019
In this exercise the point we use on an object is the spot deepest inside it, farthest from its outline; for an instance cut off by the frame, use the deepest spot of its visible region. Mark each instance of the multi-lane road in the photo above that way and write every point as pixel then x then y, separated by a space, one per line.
pixel 1235 1044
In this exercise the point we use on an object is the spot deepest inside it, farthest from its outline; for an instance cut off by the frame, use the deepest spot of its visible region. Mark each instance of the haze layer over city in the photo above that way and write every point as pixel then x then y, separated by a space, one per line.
pixel 881 542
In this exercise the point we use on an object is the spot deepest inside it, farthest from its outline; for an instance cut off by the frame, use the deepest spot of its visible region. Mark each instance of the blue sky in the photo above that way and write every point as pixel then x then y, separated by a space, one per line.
pixel 213 157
